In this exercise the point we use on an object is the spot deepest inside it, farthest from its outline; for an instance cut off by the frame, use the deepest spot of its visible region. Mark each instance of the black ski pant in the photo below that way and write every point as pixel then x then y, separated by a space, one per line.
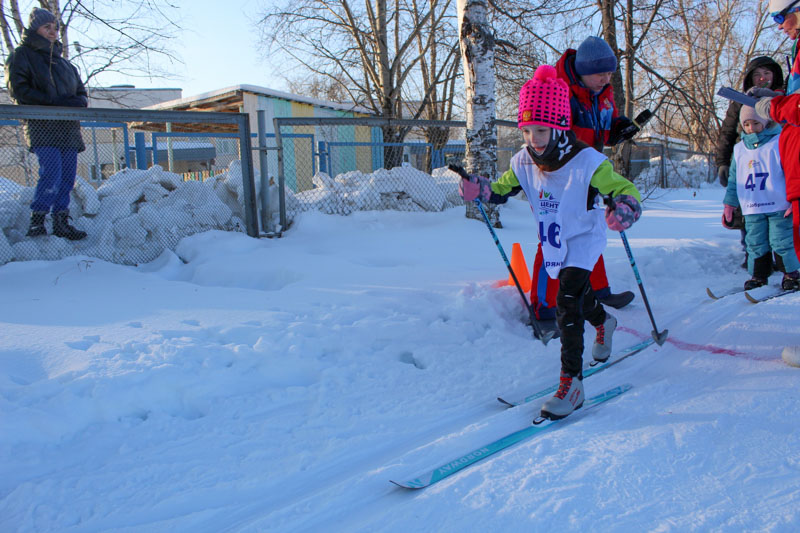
pixel 576 302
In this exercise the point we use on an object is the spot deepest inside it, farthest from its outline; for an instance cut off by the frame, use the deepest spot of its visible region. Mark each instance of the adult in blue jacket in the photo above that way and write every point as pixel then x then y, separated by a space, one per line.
pixel 37 74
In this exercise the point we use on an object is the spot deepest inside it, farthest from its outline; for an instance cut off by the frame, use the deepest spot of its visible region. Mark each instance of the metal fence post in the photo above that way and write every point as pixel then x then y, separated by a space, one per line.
pixel 96 174
pixel 323 166
pixel 126 148
pixel 170 156
pixel 141 150
pixel 281 172
pixel 248 180
pixel 266 215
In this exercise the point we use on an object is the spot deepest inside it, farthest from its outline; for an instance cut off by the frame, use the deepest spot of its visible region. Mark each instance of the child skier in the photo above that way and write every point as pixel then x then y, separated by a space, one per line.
pixel 596 121
pixel 757 183
pixel 561 177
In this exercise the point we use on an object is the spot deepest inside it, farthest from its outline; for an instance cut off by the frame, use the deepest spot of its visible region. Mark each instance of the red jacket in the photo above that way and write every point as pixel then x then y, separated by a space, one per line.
pixel 786 110
pixel 593 116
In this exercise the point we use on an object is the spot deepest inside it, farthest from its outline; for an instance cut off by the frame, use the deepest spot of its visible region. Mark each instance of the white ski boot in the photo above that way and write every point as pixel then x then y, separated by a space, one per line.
pixel 567 398
pixel 601 350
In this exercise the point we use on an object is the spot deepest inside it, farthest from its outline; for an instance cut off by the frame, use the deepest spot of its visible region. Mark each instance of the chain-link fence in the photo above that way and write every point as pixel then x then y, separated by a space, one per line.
pixel 374 164
pixel 144 179
pixel 668 167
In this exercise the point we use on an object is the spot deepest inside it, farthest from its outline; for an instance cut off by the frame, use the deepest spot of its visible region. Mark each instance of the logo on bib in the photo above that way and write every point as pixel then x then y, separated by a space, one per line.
pixel 548 203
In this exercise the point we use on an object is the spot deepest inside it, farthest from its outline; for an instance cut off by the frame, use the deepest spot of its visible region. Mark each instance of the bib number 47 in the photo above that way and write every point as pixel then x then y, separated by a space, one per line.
pixel 752 180
pixel 551 236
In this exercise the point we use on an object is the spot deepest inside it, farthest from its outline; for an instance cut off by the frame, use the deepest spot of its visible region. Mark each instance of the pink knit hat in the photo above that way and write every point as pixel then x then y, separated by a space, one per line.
pixel 544 100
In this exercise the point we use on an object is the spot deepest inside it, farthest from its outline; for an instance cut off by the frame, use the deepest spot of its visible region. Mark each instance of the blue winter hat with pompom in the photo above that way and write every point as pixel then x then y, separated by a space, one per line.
pixel 595 56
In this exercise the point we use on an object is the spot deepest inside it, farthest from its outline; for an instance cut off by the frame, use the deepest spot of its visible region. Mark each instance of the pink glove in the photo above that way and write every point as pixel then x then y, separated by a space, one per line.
pixel 475 187
pixel 626 211
pixel 727 214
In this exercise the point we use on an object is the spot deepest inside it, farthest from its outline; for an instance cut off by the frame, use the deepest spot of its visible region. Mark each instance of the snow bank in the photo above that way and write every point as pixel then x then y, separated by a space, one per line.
pixel 687 173
pixel 399 189
pixel 130 219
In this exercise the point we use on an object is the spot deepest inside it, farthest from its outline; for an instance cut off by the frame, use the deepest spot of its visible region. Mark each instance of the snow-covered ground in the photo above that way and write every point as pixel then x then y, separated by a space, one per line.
pixel 278 385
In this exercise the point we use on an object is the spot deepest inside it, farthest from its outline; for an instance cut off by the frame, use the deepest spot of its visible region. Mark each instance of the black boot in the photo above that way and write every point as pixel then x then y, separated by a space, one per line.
pixel 37 228
pixel 62 227
pixel 791 281
pixel 762 268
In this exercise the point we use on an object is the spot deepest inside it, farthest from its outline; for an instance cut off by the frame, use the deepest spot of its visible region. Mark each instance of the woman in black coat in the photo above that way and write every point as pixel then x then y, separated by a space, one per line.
pixel 36 74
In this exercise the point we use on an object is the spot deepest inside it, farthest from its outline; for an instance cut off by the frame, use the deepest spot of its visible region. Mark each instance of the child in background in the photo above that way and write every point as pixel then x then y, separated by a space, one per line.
pixel 757 182
pixel 561 177
pixel 763 72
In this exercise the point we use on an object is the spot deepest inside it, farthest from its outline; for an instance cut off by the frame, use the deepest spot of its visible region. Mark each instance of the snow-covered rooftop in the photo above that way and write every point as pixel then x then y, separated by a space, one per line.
pixel 256 89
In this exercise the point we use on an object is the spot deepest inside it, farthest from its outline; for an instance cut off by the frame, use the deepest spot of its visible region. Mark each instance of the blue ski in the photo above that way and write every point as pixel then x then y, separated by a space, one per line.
pixel 617 357
pixel 755 300
pixel 451 467
pixel 714 296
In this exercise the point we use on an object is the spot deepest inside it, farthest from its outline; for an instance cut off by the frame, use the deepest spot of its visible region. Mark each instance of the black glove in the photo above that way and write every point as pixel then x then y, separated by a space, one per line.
pixel 722 173
pixel 624 128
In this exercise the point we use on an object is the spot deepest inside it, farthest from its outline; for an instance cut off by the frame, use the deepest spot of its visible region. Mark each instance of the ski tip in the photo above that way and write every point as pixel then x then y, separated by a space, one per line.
pixel 750 298
pixel 625 387
pixel 410 485
pixel 505 402
pixel 711 294
pixel 660 338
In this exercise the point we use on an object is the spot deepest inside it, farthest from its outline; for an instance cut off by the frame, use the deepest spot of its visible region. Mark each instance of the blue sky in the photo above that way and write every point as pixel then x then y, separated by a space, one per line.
pixel 219 47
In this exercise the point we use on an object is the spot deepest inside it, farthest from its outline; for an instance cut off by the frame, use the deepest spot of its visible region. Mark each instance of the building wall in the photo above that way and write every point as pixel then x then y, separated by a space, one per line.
pixel 300 161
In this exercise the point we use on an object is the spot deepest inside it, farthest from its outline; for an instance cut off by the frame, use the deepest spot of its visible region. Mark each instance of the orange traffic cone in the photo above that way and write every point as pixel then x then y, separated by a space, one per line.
pixel 520 268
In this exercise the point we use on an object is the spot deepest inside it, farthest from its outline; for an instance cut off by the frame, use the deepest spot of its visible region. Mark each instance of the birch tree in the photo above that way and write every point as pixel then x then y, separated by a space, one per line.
pixel 477 53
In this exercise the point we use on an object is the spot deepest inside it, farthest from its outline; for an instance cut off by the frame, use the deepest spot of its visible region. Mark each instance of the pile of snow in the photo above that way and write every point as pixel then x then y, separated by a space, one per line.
pixel 130 219
pixel 398 189
pixel 687 173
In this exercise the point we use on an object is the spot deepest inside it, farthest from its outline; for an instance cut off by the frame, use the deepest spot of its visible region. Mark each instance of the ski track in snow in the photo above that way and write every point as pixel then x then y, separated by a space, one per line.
pixel 279 387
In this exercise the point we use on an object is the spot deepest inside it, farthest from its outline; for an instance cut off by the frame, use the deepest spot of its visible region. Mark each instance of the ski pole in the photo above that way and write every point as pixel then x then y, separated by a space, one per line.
pixel 660 338
pixel 537 330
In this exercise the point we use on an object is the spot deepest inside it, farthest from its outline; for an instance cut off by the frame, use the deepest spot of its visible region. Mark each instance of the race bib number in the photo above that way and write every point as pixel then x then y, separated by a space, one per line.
pixel 756 181
pixel 552 236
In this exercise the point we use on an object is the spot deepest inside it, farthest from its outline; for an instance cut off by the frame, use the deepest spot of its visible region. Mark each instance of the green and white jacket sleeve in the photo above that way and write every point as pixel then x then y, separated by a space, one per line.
pixel 609 182
pixel 505 187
